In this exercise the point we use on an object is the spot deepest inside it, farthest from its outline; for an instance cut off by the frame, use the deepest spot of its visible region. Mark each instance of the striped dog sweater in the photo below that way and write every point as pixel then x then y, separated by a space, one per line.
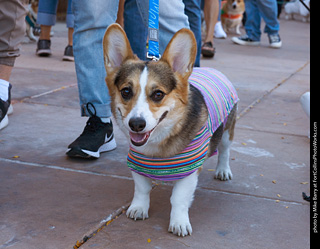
pixel 220 97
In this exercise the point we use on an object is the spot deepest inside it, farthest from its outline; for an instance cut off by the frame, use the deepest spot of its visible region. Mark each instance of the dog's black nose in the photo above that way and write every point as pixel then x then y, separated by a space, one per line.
pixel 137 124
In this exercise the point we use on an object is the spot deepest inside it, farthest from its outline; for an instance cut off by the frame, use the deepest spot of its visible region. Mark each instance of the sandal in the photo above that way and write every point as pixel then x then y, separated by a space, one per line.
pixel 207 50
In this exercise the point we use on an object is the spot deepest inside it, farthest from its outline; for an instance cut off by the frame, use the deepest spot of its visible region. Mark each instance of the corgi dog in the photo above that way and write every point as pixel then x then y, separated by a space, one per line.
pixel 231 15
pixel 160 108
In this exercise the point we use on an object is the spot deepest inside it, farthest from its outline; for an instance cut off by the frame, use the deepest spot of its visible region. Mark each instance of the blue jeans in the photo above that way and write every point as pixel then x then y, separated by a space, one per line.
pixel 47 12
pixel 255 9
pixel 193 11
pixel 92 17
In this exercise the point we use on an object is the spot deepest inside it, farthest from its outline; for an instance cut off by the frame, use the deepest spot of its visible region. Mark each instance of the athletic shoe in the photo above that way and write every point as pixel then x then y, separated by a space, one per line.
pixel 5 110
pixel 245 40
pixel 96 137
pixel 275 41
pixel 68 54
pixel 43 48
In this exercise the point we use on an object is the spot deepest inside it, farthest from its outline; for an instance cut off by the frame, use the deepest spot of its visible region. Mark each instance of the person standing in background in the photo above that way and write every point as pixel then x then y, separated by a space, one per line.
pixel 47 15
pixel 255 9
pixel 12 30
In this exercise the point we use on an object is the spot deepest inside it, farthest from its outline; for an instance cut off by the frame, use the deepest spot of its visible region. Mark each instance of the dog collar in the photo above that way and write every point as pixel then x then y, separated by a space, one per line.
pixel 230 16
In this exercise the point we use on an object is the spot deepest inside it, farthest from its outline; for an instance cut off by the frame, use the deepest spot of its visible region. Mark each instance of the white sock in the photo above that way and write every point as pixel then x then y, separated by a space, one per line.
pixel 219 31
pixel 4 93
pixel 105 120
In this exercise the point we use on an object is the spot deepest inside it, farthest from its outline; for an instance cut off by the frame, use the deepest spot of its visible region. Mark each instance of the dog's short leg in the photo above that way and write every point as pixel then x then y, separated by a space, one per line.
pixel 181 199
pixel 224 26
pixel 223 171
pixel 238 29
pixel 141 200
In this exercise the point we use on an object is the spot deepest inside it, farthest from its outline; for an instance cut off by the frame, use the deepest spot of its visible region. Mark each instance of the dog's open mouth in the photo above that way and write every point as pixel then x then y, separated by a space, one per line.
pixel 139 139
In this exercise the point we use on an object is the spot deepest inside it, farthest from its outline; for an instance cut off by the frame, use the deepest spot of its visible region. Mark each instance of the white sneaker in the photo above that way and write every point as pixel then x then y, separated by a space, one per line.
pixel 4 122
pixel 5 109
pixel 219 32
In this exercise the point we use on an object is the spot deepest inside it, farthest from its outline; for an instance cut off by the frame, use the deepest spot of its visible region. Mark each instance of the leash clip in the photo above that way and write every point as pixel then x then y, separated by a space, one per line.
pixel 153 57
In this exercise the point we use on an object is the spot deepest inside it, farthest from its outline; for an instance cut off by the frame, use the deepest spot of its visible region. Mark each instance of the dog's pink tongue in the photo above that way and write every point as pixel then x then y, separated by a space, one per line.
pixel 137 137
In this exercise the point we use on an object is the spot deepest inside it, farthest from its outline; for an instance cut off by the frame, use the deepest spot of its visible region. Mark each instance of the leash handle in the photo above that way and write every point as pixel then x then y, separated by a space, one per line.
pixel 153 31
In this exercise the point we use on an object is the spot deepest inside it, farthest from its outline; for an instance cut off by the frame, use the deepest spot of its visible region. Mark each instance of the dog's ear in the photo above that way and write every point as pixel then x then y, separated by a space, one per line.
pixel 181 52
pixel 116 47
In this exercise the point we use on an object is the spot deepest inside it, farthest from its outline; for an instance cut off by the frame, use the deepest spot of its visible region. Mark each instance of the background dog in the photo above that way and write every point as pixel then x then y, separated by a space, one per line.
pixel 32 28
pixel 232 14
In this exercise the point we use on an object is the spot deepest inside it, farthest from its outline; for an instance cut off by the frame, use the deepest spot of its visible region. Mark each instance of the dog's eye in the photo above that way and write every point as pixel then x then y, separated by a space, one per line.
pixel 157 96
pixel 126 93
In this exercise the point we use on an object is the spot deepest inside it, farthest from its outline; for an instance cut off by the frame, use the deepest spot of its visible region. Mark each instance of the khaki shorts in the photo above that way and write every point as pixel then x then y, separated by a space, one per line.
pixel 12 29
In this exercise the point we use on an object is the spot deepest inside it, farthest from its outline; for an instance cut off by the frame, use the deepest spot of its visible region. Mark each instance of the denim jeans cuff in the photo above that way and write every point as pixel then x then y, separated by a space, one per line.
pixel 70 20
pixel 46 19
pixel 101 110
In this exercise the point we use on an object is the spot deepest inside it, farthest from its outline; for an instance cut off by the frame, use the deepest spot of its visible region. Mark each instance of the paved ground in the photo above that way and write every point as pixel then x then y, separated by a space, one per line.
pixel 48 200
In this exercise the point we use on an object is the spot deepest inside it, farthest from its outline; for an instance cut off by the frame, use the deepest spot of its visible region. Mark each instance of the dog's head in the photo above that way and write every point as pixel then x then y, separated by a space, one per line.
pixel 235 5
pixel 148 99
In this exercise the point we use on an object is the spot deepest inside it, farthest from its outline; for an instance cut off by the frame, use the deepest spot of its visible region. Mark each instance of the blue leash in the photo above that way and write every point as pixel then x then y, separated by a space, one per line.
pixel 153 31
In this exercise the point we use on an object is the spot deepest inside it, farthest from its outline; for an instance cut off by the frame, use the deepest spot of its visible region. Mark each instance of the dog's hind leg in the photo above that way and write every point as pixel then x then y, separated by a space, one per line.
pixel 223 171
pixel 141 200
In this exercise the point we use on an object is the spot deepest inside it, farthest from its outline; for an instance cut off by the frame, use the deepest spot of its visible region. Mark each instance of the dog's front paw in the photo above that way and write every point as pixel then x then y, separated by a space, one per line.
pixel 180 227
pixel 137 212
pixel 223 174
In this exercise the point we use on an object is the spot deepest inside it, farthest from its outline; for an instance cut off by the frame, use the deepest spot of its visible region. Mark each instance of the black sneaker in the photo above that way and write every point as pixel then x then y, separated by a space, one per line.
pixel 68 54
pixel 275 41
pixel 43 48
pixel 4 107
pixel 245 40
pixel 96 137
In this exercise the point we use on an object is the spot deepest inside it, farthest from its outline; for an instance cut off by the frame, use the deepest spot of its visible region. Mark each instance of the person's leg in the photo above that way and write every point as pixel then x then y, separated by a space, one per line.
pixel 68 51
pixel 91 19
pixel 70 16
pixel 70 23
pixel 268 10
pixel 211 12
pixel 12 23
pixel 70 36
pixel 252 25
pixel 253 21
pixel 5 72
pixel 136 27
pixel 120 19
pixel 47 12
pixel 45 32
pixel 193 11
pixel 46 18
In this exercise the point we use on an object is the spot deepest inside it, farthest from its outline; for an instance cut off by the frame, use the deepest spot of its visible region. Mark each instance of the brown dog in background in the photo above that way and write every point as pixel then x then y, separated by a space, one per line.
pixel 232 14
